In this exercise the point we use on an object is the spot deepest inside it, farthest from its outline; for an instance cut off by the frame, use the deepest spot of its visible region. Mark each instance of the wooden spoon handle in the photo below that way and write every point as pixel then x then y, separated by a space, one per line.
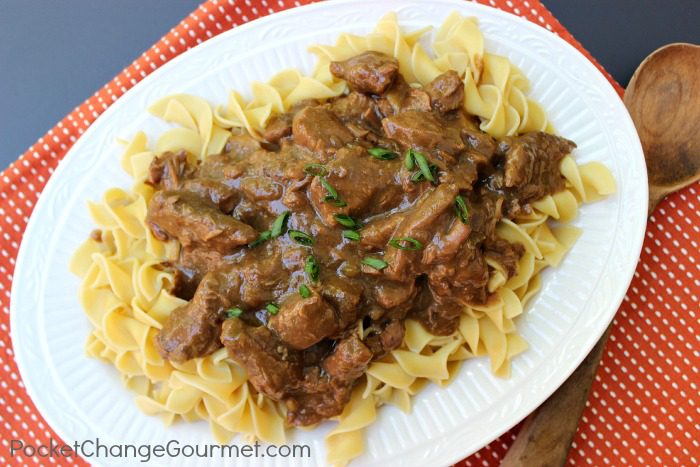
pixel 546 436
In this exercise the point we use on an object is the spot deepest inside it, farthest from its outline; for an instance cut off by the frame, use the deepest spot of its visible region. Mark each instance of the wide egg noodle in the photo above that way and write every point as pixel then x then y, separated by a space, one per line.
pixel 125 293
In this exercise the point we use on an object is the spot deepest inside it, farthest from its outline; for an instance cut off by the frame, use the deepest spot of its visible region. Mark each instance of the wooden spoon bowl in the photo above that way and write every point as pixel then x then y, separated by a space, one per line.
pixel 663 98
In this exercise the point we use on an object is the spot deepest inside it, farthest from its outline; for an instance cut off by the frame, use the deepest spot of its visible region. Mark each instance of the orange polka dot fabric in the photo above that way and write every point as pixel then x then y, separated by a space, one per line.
pixel 643 407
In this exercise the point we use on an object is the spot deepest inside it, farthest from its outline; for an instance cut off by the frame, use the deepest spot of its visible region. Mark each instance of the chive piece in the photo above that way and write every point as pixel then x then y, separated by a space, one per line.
pixel 304 291
pixel 375 263
pixel 332 194
pixel 461 209
pixel 346 221
pixel 417 177
pixel 264 236
pixel 332 197
pixel 351 235
pixel 316 170
pixel 424 167
pixel 234 312
pixel 382 154
pixel 272 308
pixel 280 225
pixel 312 268
pixel 409 161
pixel 335 201
pixel 301 238
pixel 406 243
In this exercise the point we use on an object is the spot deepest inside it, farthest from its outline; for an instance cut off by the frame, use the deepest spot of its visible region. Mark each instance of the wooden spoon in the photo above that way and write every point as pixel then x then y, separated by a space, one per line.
pixel 663 98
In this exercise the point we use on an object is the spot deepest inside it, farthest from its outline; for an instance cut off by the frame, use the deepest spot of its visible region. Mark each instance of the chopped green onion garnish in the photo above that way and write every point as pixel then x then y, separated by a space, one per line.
pixel 382 154
pixel 311 268
pixel 272 308
pixel 417 176
pixel 280 225
pixel 304 291
pixel 424 167
pixel 347 221
pixel 234 312
pixel 406 243
pixel 375 263
pixel 332 194
pixel 409 160
pixel 461 209
pixel 351 235
pixel 316 170
pixel 332 197
pixel 264 236
pixel 301 237
pixel 334 201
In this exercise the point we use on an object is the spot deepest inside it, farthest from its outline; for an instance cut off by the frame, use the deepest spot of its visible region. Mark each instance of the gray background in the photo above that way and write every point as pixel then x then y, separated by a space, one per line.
pixel 55 54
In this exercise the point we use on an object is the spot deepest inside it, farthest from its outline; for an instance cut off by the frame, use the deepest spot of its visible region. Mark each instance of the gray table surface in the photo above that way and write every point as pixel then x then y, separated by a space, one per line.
pixel 55 54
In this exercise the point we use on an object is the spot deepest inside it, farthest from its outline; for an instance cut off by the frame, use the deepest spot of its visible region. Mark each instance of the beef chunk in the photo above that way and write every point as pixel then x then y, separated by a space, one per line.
pixel 318 398
pixel 319 129
pixel 446 92
pixel 532 163
pixel 192 220
pixel 303 322
pixel 347 174
pixel 505 253
pixel 423 130
pixel 371 72
pixel 279 126
pixel 379 230
pixel 349 359
pixel 272 368
pixel 446 245
pixel 386 338
pixel 221 195
pixel 420 223
pixel 344 295
pixel 193 329
pixel 357 108
pixel 169 170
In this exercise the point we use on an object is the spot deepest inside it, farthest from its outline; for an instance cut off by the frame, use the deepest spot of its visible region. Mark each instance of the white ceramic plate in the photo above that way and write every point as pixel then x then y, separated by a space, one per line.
pixel 83 398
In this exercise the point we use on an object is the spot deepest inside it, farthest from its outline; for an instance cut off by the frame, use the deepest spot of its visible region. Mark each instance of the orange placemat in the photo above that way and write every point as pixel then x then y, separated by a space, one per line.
pixel 643 408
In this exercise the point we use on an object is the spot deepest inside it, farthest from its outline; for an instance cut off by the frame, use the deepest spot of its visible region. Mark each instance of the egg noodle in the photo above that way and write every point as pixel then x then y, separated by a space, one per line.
pixel 124 290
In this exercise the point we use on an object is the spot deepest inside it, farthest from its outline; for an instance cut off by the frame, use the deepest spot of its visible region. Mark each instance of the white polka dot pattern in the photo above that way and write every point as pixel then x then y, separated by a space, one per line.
pixel 643 407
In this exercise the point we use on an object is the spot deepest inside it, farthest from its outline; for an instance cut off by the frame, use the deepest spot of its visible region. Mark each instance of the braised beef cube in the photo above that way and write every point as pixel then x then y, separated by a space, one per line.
pixel 193 220
pixel 387 338
pixel 221 195
pixel 360 194
pixel 390 294
pixel 319 129
pixel 371 72
pixel 303 322
pixel 349 359
pixel 441 319
pixel 344 295
pixel 379 230
pixel 318 398
pixel 423 130
pixel 416 99
pixel 357 108
pixel 446 91
pixel 278 127
pixel 169 170
pixel 505 253
pixel 532 163
pixel 260 188
pixel 420 223
pixel 465 277
pixel 446 245
pixel 193 330
pixel 272 368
